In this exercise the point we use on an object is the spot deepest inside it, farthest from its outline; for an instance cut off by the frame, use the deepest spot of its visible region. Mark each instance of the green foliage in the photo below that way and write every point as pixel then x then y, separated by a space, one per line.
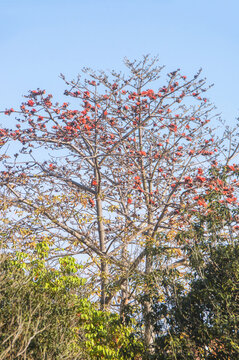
pixel 107 338
pixel 203 324
pixel 38 309
pixel 45 313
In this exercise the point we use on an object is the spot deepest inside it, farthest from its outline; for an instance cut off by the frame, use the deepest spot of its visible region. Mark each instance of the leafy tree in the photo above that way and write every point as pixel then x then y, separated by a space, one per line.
pixel 45 314
pixel 204 322
pixel 38 311
pixel 110 176
pixel 199 319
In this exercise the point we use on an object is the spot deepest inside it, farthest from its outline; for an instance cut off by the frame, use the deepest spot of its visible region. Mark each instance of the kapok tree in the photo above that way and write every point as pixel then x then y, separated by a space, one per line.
pixel 109 174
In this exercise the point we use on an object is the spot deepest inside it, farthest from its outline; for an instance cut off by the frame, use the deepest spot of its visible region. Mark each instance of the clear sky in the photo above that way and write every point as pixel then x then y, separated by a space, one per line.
pixel 41 39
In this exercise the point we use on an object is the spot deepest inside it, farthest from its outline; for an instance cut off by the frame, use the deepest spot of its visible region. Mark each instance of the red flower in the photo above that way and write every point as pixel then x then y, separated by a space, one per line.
pixel 202 202
pixel 143 153
pixel 200 178
pixel 150 93
pixel 92 203
pixel 231 199
pixel 188 179
pixel 129 201
pixel 94 183
pixel 220 182
pixel 30 102
pixel 9 111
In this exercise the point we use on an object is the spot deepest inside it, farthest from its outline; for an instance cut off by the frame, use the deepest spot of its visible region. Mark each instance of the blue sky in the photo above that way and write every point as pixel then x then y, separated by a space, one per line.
pixel 41 39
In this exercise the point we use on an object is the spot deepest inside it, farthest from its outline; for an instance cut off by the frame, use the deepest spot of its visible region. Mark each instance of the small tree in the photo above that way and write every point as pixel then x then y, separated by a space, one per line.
pixel 38 312
pixel 45 313
pixel 111 177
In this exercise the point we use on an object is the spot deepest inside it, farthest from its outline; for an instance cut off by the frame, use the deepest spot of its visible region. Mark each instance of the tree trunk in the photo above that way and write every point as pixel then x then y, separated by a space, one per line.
pixel 103 267
pixel 147 308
